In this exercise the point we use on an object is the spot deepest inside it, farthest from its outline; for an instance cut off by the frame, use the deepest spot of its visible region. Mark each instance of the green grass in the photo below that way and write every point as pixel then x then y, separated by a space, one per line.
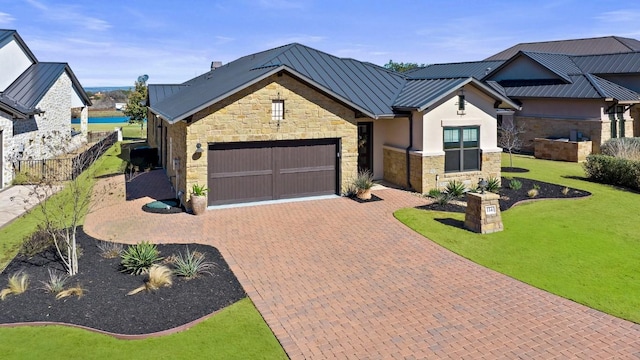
pixel 586 250
pixel 237 332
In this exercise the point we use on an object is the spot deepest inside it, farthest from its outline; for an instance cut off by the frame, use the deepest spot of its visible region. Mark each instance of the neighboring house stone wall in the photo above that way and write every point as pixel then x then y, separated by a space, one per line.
pixel 538 127
pixel 246 116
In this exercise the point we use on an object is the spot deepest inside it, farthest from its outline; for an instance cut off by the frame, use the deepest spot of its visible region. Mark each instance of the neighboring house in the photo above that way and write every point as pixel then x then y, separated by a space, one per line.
pixel 294 121
pixel 574 89
pixel 36 99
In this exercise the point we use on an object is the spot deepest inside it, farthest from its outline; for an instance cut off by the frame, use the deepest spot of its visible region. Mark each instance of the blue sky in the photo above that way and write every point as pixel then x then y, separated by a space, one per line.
pixel 110 43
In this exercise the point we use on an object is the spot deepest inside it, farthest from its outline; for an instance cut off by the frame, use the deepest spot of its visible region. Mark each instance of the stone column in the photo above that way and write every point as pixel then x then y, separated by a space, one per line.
pixel 84 121
pixel 483 213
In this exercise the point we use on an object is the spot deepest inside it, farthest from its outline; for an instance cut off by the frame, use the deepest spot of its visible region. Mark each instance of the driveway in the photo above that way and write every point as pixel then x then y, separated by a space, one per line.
pixel 338 279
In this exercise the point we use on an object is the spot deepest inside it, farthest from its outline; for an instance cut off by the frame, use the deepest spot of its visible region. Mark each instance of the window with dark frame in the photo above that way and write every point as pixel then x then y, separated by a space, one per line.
pixel 461 149
pixel 277 110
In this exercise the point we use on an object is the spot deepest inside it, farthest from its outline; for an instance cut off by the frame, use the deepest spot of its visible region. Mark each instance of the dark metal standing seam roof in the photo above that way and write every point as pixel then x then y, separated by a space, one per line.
pixel 581 87
pixel 476 69
pixel 609 89
pixel 159 92
pixel 609 64
pixel 413 94
pixel 364 86
pixel 590 46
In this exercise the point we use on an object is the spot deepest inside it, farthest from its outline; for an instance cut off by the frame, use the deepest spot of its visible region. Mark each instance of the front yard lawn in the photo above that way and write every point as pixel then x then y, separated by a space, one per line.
pixel 586 250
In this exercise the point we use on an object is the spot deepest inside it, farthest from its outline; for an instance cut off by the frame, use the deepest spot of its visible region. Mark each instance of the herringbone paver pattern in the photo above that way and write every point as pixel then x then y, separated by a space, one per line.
pixel 339 279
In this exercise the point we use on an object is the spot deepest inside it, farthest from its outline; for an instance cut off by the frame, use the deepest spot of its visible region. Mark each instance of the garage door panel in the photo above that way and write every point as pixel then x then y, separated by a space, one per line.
pixel 244 172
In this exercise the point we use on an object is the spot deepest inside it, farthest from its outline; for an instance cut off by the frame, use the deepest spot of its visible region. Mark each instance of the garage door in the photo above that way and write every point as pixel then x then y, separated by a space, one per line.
pixel 259 171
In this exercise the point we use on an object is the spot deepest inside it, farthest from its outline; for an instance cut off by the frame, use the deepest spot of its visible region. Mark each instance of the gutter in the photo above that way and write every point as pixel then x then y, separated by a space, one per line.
pixel 407 152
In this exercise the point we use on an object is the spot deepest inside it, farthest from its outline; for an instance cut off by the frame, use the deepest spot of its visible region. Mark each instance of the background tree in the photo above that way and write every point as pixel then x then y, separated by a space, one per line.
pixel 136 110
pixel 509 138
pixel 401 67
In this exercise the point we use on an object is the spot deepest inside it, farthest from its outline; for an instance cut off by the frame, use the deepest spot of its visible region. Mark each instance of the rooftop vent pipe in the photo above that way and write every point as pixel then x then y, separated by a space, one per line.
pixel 215 64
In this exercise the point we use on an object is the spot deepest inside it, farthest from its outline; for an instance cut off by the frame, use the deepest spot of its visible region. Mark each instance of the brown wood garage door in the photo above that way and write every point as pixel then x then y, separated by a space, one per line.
pixel 258 171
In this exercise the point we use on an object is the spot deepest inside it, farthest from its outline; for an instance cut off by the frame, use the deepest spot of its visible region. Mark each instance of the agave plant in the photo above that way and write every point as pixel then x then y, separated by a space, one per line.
pixel 138 258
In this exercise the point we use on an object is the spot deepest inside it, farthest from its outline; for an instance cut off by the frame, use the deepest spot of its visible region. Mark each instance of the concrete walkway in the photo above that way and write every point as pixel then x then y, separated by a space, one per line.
pixel 15 201
pixel 339 279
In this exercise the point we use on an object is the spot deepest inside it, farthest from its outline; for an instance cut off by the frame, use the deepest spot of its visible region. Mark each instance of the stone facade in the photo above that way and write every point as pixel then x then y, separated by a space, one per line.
pixel 427 171
pixel 246 116
pixel 574 151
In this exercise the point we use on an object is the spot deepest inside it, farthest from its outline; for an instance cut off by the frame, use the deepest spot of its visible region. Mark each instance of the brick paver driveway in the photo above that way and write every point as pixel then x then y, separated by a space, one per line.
pixel 339 279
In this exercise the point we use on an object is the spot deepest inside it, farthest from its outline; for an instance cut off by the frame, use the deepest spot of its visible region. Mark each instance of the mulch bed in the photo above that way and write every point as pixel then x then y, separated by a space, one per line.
pixel 105 305
pixel 510 197
pixel 362 201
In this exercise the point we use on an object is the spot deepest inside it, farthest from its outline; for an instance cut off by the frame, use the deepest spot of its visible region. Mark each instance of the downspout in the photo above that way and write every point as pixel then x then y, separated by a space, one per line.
pixel 409 148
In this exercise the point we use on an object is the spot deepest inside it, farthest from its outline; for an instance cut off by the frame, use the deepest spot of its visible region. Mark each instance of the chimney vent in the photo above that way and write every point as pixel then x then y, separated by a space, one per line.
pixel 215 64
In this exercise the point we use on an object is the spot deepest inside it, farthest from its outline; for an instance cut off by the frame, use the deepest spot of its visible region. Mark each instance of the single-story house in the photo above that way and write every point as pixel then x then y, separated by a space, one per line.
pixel 36 99
pixel 574 89
pixel 294 121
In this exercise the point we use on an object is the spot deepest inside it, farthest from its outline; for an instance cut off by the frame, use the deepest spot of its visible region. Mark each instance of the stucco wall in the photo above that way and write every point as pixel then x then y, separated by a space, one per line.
pixel 246 116
pixel 14 62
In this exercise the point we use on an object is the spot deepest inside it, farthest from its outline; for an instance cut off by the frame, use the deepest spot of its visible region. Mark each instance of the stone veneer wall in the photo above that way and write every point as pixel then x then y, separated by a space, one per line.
pixel 562 150
pixel 44 135
pixel 536 127
pixel 246 116
pixel 427 172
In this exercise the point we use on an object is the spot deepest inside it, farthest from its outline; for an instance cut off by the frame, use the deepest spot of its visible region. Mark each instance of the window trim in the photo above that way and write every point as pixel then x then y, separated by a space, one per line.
pixel 277 110
pixel 460 149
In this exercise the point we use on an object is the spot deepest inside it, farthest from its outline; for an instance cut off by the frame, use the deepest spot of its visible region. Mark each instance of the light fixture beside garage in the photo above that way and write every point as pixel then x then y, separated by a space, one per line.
pixel 199 149
pixel 461 102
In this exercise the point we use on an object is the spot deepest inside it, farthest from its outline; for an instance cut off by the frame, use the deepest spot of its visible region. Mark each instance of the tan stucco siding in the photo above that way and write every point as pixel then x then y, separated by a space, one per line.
pixel 246 116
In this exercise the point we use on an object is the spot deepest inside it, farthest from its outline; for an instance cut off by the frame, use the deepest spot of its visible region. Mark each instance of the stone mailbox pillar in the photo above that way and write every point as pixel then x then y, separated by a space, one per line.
pixel 483 213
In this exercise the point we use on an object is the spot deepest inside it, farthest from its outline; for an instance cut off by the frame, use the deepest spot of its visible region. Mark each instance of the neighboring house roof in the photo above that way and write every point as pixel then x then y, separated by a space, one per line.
pixel 24 94
pixel 365 87
pixel 588 46
pixel 609 63
pixel 476 69
pixel 420 94
pixel 368 88
pixel 581 87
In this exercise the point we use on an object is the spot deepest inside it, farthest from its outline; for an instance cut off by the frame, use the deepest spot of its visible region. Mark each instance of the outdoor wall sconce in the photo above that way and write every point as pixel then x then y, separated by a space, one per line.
pixel 199 149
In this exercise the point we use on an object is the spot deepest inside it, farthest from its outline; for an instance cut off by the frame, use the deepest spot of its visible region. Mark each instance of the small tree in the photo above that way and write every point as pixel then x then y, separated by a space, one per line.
pixel 77 197
pixel 509 138
pixel 136 110
pixel 401 67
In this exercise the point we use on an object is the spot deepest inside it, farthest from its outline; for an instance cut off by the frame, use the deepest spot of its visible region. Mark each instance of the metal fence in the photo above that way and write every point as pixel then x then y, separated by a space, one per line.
pixel 63 169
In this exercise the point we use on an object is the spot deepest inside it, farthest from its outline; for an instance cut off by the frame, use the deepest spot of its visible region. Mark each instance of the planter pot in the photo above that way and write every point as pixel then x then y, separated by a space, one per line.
pixel 364 194
pixel 198 204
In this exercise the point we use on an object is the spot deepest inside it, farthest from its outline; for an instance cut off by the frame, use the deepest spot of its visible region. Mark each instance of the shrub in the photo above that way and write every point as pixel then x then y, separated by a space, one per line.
pixel 17 284
pixel 191 265
pixel 532 193
pixel 613 171
pixel 350 190
pixel 625 148
pixel 137 259
pixel 110 250
pixel 199 190
pixel 444 198
pixel 37 242
pixel 364 180
pixel 565 191
pixel 159 276
pixel 56 282
pixel 515 184
pixel 456 188
pixel 72 291
pixel 434 193
pixel 493 184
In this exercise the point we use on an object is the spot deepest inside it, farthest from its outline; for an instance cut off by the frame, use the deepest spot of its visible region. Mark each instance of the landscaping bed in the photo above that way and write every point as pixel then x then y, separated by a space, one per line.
pixel 510 197
pixel 105 304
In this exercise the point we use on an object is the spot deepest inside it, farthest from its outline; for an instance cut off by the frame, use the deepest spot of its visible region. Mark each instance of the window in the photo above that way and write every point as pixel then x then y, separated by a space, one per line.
pixel 277 110
pixel 461 149
pixel 461 103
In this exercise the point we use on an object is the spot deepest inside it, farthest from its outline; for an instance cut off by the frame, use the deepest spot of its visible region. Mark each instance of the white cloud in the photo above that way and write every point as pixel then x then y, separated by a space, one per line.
pixel 220 40
pixel 302 39
pixel 6 19
pixel 618 16
pixel 282 4
pixel 71 14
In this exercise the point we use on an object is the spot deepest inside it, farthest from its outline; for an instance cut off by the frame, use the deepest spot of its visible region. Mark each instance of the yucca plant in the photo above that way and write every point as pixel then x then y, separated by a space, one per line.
pixel 191 265
pixel 110 250
pixel 515 184
pixel 56 282
pixel 434 193
pixel 137 259
pixel 159 276
pixel 364 180
pixel 493 184
pixel 72 291
pixel 17 284
pixel 456 188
